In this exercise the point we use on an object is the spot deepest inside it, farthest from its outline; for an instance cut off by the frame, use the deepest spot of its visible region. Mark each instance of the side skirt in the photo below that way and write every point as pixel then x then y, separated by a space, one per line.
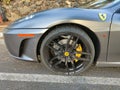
pixel 108 64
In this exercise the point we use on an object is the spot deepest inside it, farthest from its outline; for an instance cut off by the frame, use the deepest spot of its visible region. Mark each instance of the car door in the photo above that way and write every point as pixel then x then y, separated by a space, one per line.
pixel 114 39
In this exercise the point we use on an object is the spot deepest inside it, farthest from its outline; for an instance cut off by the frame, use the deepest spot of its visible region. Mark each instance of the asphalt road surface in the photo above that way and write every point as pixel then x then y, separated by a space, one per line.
pixel 21 75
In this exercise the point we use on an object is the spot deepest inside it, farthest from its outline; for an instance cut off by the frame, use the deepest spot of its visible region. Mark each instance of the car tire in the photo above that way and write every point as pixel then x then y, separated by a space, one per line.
pixel 67 50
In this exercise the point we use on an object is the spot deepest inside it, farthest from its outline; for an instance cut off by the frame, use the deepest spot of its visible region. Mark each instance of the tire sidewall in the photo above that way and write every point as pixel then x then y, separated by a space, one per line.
pixel 83 36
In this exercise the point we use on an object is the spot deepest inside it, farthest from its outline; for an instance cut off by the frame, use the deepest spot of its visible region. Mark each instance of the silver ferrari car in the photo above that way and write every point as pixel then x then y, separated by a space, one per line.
pixel 68 40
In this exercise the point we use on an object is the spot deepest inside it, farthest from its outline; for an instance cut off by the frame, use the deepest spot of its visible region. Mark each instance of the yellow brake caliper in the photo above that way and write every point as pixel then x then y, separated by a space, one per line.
pixel 78 55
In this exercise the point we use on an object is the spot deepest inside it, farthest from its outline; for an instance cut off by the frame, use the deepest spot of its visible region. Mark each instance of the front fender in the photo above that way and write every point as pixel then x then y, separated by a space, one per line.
pixel 49 18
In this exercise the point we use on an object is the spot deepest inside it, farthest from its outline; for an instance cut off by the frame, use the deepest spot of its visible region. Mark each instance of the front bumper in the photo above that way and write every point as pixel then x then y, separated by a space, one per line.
pixel 24 48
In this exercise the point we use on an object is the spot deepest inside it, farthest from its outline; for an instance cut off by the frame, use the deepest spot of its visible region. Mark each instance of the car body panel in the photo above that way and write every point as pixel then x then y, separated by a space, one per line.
pixel 114 43
pixel 23 48
pixel 49 18
pixel 39 23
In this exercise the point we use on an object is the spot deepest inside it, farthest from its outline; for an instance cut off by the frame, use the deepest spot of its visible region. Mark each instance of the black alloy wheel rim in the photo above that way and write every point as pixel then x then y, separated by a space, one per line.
pixel 65 44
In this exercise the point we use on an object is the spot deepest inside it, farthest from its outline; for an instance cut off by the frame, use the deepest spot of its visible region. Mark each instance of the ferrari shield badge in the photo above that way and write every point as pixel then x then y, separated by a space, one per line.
pixel 103 16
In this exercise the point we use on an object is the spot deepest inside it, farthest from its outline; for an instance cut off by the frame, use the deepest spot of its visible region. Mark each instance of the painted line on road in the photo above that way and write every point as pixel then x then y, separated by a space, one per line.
pixel 60 79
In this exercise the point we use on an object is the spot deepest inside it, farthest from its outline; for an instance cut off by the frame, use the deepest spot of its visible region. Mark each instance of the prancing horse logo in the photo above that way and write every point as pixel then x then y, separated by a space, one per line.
pixel 103 16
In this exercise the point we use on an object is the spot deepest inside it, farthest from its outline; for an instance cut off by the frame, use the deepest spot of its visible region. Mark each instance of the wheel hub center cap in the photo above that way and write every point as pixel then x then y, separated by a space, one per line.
pixel 66 54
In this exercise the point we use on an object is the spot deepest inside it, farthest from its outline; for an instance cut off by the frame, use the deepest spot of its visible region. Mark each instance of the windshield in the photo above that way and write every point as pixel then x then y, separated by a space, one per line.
pixel 94 4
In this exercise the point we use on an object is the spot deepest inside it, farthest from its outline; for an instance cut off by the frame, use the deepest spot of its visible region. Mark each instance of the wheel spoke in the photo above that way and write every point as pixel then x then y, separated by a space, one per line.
pixel 76 41
pixel 57 63
pixel 66 64
pixel 53 49
pixel 73 46
pixel 84 53
pixel 51 60
pixel 84 59
pixel 73 64
pixel 68 42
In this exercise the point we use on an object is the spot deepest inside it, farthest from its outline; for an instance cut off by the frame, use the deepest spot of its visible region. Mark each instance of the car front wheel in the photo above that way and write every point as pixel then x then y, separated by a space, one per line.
pixel 67 50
